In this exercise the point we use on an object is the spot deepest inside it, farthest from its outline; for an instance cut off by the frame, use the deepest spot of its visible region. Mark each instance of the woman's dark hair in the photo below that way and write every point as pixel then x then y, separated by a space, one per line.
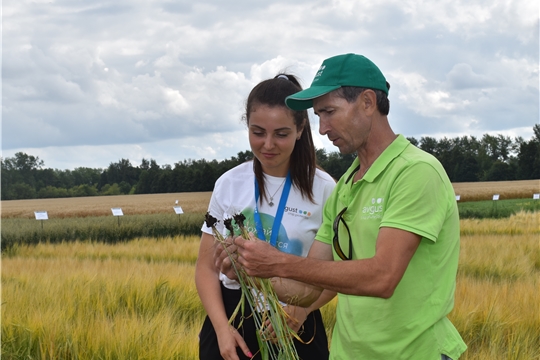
pixel 302 165
pixel 351 93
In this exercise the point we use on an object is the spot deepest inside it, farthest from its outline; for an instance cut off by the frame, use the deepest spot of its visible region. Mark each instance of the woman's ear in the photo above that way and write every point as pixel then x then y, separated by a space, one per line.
pixel 300 131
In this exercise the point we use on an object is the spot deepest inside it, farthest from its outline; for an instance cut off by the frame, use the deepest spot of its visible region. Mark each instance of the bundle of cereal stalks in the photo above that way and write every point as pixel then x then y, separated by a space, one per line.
pixel 262 300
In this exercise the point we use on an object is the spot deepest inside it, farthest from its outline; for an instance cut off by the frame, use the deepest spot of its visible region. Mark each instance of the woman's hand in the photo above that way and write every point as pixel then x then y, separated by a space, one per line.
pixel 229 339
pixel 222 260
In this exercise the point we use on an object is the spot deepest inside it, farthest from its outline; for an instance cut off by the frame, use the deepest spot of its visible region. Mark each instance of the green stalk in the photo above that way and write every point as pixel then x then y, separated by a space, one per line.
pixel 262 300
pixel 272 311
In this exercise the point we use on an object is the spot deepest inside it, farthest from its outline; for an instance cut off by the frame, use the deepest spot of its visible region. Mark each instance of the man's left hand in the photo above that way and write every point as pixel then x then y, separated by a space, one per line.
pixel 258 258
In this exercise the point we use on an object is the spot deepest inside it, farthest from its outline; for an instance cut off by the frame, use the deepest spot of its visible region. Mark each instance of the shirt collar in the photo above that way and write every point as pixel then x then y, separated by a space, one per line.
pixel 393 150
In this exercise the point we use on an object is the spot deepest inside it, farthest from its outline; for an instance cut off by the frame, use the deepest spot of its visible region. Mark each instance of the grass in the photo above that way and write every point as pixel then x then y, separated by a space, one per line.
pixel 152 215
pixel 99 228
pixel 88 300
pixel 496 308
pixel 64 297
pixel 137 299
pixel 496 209
pixel 90 218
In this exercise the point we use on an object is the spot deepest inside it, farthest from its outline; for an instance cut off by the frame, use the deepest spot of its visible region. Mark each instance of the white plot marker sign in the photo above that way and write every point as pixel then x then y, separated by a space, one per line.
pixel 178 210
pixel 41 215
pixel 117 212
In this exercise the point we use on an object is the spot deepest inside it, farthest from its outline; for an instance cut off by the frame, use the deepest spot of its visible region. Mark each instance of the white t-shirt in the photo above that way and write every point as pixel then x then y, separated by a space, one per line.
pixel 234 192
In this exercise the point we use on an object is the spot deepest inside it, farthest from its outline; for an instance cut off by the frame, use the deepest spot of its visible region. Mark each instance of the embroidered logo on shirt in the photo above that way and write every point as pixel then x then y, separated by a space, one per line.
pixel 374 210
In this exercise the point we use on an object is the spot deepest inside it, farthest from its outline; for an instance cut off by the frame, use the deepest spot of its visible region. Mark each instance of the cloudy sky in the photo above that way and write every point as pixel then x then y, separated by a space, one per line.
pixel 87 83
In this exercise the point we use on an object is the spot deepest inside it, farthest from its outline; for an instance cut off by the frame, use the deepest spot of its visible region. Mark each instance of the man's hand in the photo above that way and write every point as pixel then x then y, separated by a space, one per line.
pixel 295 316
pixel 258 258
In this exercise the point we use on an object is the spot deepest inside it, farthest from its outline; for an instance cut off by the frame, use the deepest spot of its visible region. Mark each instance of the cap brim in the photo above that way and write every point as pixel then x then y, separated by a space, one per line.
pixel 303 100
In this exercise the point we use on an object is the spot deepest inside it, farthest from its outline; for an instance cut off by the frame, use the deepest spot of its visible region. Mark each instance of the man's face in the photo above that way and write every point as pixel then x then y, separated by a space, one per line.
pixel 344 123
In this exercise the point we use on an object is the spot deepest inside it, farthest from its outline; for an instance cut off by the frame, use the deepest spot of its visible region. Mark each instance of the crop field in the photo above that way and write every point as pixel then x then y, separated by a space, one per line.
pixel 195 202
pixel 136 299
pixel 475 191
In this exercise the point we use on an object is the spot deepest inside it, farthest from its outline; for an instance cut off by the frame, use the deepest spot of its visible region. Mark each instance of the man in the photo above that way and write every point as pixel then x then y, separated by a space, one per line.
pixel 389 242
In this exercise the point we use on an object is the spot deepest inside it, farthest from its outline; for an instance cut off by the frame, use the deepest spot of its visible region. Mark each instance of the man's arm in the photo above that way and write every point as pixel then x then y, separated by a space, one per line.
pixel 377 276
pixel 295 292
pixel 289 291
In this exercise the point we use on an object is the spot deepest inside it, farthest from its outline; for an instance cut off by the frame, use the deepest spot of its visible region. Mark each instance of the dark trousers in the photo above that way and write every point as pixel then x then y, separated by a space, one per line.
pixel 313 329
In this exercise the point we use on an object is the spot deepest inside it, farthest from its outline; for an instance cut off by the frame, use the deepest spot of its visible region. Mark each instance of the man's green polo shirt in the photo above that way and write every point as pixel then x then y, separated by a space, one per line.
pixel 408 189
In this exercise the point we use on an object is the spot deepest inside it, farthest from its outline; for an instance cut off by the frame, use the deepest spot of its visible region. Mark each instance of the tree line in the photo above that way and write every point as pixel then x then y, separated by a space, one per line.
pixel 465 159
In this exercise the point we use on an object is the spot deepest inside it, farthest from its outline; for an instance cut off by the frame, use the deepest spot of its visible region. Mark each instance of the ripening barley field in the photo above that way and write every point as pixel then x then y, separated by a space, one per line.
pixel 195 202
pixel 475 191
pixel 137 299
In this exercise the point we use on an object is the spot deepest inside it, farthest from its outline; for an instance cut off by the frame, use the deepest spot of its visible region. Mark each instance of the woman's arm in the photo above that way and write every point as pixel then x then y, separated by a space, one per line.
pixel 209 289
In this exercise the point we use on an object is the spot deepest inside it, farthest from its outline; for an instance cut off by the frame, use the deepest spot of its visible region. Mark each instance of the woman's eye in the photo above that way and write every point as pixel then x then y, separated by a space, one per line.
pixel 282 135
pixel 258 133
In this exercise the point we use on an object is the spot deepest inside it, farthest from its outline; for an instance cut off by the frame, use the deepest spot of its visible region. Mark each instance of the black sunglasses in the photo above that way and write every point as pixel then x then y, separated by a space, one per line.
pixel 339 218
pixel 337 247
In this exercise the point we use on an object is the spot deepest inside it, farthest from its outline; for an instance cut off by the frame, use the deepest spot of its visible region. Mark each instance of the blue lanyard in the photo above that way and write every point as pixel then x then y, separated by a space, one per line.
pixel 279 213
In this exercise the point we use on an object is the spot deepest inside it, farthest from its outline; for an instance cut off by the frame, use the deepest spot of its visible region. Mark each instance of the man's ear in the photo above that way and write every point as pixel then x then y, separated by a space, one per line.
pixel 369 101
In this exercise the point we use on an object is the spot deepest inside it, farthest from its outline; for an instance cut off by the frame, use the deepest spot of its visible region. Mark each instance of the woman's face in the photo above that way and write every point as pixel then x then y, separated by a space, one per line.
pixel 272 136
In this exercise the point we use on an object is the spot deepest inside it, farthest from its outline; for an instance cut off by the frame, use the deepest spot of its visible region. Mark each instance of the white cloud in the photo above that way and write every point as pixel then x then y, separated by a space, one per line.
pixel 168 80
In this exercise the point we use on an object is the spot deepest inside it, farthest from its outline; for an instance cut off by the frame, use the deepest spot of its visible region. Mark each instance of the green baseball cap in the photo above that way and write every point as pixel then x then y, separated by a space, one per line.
pixel 335 72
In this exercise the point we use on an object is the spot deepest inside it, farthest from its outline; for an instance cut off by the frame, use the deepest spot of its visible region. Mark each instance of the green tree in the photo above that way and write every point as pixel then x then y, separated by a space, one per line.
pixel 500 171
pixel 118 172
pixel 124 186
pixel 84 190
pixel 113 189
pixel 48 192
pixel 18 171
pixel 86 175
pixel 336 164
pixel 21 191
pixel 429 145
pixel 528 158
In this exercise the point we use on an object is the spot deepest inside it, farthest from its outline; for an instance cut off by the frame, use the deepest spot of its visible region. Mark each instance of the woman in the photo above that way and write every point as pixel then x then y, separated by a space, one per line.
pixel 287 184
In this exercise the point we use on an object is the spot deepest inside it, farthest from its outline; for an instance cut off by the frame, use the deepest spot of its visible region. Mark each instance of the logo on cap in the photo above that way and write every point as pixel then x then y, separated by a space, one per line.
pixel 320 71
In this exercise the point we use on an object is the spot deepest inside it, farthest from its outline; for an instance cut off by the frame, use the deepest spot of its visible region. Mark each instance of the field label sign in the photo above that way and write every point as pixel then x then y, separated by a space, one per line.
pixel 496 197
pixel 458 197
pixel 117 211
pixel 178 210
pixel 536 196
pixel 41 215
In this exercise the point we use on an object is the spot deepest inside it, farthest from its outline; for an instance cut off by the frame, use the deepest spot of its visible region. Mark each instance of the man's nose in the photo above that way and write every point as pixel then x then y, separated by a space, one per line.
pixel 323 127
